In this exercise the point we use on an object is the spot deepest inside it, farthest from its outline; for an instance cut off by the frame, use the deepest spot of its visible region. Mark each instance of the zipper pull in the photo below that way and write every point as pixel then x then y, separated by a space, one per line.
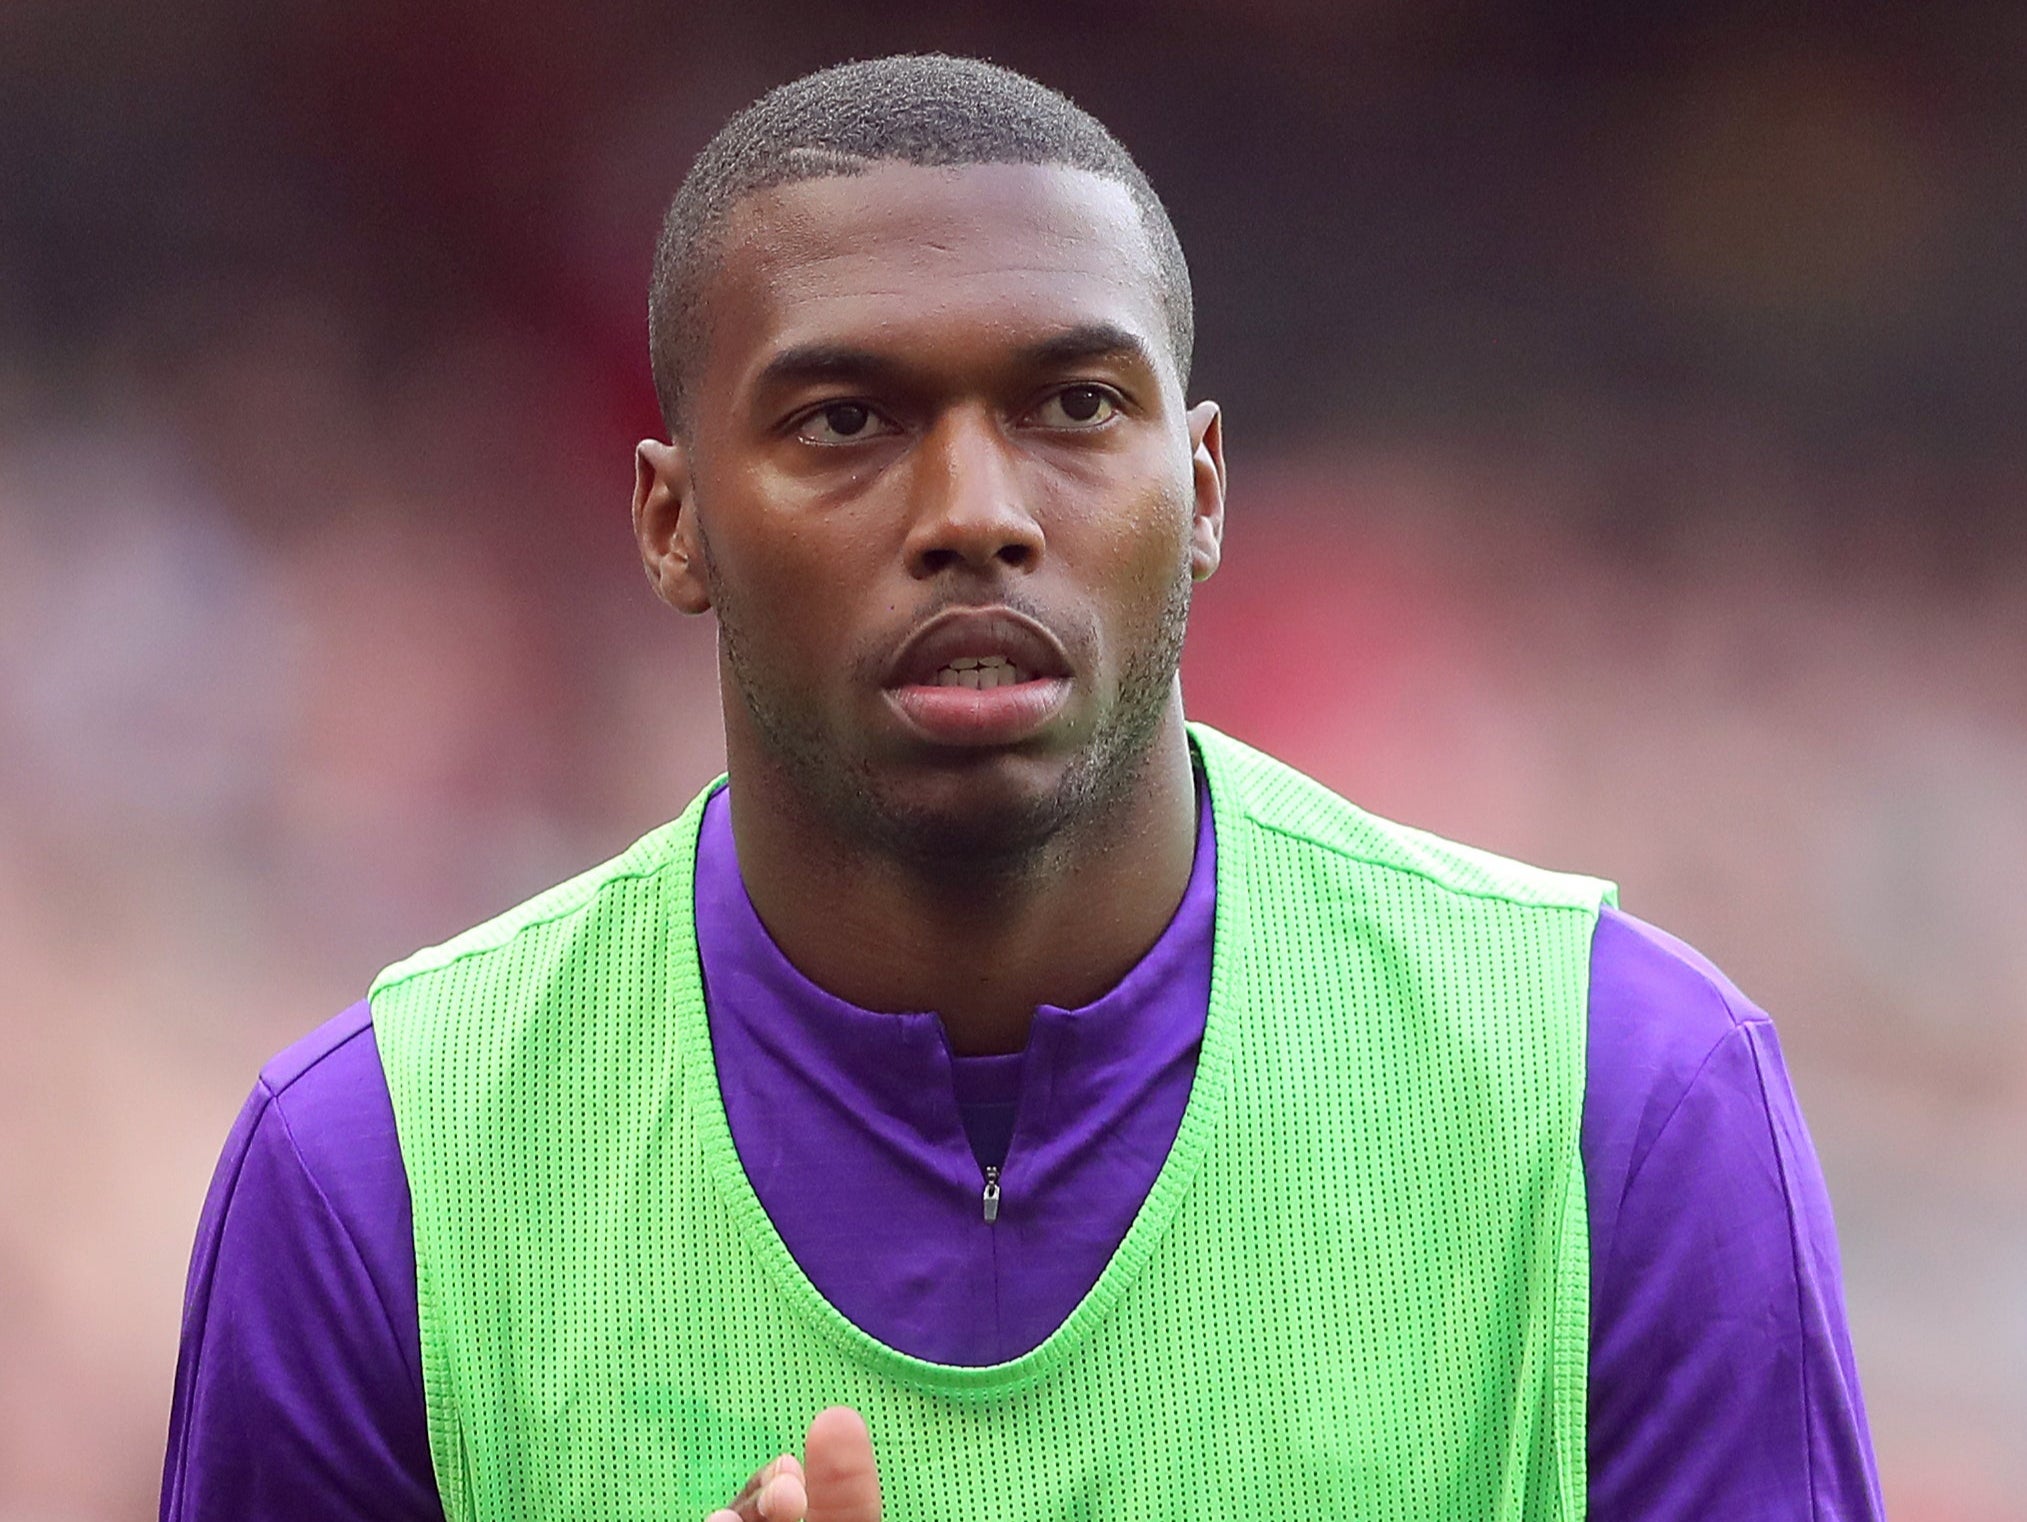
pixel 991 1196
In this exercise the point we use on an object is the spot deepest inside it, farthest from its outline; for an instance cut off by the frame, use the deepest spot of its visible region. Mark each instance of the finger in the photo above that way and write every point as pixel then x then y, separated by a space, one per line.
pixel 783 1499
pixel 843 1481
pixel 747 1505
pixel 750 1489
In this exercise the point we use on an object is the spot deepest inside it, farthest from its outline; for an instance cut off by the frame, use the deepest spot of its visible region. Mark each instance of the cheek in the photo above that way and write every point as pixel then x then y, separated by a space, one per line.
pixel 791 605
pixel 772 577
pixel 1152 547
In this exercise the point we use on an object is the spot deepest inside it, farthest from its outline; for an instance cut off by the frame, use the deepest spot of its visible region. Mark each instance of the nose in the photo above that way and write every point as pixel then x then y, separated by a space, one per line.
pixel 968 511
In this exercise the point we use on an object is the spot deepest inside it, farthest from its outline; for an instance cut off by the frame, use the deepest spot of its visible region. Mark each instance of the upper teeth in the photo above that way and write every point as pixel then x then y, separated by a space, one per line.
pixel 982 671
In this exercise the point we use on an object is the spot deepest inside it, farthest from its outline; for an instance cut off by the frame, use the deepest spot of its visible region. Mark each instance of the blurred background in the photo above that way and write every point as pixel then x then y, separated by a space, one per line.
pixel 1624 406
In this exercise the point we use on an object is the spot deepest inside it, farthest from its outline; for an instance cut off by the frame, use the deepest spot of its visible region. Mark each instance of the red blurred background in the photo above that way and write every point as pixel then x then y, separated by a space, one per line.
pixel 1624 403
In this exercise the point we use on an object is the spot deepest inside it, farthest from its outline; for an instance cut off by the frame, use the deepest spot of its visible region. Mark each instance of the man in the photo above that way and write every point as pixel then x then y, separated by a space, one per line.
pixel 1083 1112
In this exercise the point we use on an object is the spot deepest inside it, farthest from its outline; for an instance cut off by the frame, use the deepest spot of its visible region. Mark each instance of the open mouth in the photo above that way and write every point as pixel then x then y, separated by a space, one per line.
pixel 979 676
pixel 983 673
pixel 979 648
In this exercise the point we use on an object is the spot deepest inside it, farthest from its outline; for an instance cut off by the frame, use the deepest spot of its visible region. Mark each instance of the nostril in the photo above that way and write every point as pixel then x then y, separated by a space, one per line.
pixel 935 560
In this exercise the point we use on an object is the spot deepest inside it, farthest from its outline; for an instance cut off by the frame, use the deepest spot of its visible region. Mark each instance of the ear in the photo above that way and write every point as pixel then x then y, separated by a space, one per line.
pixel 1207 469
pixel 665 525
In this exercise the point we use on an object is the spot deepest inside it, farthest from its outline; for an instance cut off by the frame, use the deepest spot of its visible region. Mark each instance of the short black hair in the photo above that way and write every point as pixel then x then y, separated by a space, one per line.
pixel 927 109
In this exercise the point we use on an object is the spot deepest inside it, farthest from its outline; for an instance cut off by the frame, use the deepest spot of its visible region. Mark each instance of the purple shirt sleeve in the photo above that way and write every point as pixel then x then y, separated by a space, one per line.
pixel 299 1382
pixel 1722 1383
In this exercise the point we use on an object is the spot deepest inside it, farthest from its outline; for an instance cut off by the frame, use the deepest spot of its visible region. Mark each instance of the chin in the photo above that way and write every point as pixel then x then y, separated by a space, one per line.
pixel 990 820
pixel 978 820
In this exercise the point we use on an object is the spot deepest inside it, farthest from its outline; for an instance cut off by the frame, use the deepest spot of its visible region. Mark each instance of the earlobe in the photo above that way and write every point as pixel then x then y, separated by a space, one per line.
pixel 665 525
pixel 1207 470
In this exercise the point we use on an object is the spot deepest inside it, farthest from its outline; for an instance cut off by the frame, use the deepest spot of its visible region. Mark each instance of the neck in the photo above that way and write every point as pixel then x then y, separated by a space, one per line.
pixel 980 943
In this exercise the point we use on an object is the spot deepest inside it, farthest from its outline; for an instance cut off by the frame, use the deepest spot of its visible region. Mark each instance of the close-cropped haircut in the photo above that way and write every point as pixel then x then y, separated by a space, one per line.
pixel 930 110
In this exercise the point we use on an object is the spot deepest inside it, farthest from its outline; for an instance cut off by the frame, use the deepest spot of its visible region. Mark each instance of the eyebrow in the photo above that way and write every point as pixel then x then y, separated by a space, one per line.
pixel 1088 340
pixel 817 363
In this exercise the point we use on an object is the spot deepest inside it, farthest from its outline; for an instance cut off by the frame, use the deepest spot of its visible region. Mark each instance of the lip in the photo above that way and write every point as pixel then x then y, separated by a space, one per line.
pixel 978 717
pixel 961 633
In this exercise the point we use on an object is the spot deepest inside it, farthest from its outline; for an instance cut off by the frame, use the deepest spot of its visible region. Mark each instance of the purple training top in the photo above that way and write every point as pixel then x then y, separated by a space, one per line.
pixel 817 1090
pixel 1721 1377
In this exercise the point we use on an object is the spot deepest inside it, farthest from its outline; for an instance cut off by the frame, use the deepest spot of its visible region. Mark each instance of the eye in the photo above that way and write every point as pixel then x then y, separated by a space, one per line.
pixel 1078 407
pixel 841 423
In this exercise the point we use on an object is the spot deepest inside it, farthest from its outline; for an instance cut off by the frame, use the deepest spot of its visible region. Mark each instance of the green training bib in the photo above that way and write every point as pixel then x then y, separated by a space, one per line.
pixel 1359 1288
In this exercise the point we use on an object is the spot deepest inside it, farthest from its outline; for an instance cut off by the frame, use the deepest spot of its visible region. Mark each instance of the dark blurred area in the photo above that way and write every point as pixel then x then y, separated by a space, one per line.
pixel 1624 403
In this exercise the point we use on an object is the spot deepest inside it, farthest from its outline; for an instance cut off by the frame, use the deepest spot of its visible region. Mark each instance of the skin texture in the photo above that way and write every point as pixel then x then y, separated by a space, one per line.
pixel 836 1481
pixel 926 395
pixel 924 302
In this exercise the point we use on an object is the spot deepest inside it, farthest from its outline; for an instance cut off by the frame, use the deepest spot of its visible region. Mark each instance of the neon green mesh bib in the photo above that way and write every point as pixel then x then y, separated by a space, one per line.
pixel 1358 1288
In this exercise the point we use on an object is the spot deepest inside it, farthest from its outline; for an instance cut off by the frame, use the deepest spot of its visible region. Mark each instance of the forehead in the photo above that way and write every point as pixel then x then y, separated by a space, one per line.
pixel 912 259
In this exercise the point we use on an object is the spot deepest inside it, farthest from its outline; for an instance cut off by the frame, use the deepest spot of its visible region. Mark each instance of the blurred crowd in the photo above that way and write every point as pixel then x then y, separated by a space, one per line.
pixel 1622 404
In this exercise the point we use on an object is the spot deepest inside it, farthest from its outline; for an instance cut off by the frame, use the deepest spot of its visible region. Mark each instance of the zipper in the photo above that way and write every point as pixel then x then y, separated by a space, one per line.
pixel 990 1198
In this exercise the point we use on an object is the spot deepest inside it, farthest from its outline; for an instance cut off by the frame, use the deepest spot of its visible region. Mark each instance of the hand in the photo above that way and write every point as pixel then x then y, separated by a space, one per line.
pixel 835 1481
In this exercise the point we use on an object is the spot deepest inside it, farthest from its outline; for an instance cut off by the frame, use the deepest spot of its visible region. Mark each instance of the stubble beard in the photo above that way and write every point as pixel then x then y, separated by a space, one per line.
pixel 965 847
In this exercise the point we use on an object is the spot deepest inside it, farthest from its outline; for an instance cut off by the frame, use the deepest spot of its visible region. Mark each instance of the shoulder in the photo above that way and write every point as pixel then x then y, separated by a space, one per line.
pixel 325 1145
pixel 527 979
pixel 556 912
pixel 1643 971
pixel 1722 1381
pixel 296 1146
pixel 1664 1024
pixel 1288 808
pixel 546 1003
pixel 299 1385
pixel 314 1145
pixel 321 1060
pixel 1660 1012
pixel 324 1099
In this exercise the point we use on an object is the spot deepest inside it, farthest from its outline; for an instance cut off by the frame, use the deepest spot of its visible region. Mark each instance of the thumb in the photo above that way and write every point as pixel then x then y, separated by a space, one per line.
pixel 837 1460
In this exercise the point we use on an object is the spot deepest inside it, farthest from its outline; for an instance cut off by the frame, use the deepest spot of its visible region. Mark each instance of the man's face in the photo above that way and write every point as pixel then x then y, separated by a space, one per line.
pixel 942 492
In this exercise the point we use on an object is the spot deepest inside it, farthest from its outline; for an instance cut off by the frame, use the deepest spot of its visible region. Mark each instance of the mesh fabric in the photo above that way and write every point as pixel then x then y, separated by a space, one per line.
pixel 1357 1289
